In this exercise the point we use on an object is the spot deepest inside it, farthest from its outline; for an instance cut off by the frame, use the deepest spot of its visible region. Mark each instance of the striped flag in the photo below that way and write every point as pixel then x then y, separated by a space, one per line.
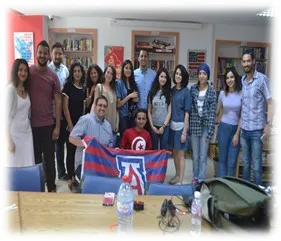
pixel 140 166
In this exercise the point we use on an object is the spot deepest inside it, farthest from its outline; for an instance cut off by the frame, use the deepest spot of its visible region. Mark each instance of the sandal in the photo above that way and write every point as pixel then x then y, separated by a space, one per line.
pixel 174 180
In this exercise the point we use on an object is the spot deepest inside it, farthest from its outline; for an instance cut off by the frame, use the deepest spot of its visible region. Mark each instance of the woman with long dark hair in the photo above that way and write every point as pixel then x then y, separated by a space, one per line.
pixel 159 109
pixel 181 104
pixel 74 95
pixel 93 77
pixel 127 97
pixel 229 103
pixel 20 140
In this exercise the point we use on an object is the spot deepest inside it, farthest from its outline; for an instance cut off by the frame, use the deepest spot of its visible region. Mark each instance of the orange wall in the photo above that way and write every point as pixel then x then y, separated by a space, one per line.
pixel 20 23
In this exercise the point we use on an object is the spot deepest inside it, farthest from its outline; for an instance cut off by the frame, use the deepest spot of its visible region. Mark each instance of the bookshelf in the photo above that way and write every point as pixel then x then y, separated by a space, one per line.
pixel 228 53
pixel 161 46
pixel 79 44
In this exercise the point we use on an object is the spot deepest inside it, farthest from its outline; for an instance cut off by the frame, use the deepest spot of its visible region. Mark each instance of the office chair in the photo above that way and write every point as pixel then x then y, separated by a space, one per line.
pixel 100 185
pixel 161 189
pixel 30 179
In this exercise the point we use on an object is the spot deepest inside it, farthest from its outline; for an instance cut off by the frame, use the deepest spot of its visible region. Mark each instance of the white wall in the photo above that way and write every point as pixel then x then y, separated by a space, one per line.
pixel 203 39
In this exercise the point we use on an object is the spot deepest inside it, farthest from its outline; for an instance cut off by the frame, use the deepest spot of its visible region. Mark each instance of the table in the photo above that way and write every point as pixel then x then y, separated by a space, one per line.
pixel 13 215
pixel 68 212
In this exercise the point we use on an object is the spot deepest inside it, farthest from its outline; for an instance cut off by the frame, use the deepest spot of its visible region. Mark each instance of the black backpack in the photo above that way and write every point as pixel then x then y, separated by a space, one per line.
pixel 231 204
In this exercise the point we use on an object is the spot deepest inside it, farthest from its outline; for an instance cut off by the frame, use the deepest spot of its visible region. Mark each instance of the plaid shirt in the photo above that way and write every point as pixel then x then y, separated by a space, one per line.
pixel 208 114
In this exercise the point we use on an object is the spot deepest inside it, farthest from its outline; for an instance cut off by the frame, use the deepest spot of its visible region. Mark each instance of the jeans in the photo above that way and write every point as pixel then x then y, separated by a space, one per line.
pixel 60 148
pixel 228 153
pixel 164 139
pixel 252 154
pixel 45 146
pixel 199 151
pixel 125 123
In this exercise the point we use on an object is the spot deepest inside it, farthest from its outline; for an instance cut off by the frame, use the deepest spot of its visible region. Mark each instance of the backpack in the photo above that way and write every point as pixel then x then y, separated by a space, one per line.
pixel 231 204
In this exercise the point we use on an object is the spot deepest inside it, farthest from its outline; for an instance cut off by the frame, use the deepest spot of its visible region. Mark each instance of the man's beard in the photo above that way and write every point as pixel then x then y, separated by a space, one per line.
pixel 42 65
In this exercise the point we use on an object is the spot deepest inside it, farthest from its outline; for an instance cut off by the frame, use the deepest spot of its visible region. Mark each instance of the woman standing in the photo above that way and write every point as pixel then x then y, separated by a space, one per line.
pixel 202 121
pixel 74 95
pixel 94 76
pixel 229 103
pixel 20 140
pixel 159 109
pixel 107 89
pixel 181 104
pixel 127 97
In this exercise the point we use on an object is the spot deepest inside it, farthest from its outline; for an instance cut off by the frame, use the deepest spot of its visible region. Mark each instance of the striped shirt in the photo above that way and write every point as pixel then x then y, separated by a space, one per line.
pixel 91 125
pixel 196 123
pixel 255 94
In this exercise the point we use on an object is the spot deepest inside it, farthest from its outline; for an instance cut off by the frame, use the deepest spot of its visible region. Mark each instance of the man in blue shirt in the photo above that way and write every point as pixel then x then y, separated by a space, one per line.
pixel 62 73
pixel 144 77
pixel 92 124
pixel 254 121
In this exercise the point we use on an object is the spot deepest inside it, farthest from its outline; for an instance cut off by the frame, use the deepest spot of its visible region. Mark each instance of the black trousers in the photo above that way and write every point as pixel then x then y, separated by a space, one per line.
pixel 44 148
pixel 70 156
pixel 60 148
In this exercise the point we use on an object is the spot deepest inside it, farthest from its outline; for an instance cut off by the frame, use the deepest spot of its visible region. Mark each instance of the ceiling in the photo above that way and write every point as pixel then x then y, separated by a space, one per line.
pixel 216 15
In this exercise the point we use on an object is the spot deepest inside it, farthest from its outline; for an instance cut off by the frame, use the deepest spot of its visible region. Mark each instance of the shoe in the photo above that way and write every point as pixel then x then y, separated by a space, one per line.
pixel 174 180
pixel 194 180
pixel 63 177
pixel 74 187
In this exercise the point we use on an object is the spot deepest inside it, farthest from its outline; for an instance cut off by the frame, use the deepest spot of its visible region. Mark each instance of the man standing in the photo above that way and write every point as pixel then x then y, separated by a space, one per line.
pixel 255 122
pixel 44 92
pixel 144 77
pixel 62 73
pixel 92 124
pixel 137 138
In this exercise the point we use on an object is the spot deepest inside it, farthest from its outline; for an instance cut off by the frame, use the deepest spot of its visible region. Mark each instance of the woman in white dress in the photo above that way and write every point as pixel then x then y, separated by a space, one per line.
pixel 20 141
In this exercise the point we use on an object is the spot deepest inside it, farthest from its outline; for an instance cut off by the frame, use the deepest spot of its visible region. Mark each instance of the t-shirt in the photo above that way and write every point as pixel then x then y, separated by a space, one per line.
pixel 43 86
pixel 159 109
pixel 200 101
pixel 76 96
pixel 134 140
pixel 231 107
pixel 181 103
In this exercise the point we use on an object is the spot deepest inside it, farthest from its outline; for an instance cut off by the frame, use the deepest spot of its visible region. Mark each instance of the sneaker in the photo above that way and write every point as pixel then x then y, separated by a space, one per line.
pixel 194 180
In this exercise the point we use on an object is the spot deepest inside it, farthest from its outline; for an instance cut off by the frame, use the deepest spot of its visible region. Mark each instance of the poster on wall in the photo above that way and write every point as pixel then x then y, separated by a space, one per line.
pixel 194 59
pixel 24 46
pixel 114 55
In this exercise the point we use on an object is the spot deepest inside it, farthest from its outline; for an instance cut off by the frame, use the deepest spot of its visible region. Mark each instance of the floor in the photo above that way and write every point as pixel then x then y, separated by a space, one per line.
pixel 63 187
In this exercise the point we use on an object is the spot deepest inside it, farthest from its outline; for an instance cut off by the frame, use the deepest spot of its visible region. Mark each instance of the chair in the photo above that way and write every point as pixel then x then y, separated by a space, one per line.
pixel 100 185
pixel 30 179
pixel 166 189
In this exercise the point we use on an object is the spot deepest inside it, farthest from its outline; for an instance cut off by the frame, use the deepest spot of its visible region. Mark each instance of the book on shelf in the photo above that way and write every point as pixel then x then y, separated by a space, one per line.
pixel 78 45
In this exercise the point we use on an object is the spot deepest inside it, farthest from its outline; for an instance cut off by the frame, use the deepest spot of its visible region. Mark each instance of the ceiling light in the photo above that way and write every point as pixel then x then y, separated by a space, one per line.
pixel 267 13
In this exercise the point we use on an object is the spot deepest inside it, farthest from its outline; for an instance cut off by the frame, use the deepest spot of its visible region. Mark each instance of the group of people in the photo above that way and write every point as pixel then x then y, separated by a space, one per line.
pixel 50 106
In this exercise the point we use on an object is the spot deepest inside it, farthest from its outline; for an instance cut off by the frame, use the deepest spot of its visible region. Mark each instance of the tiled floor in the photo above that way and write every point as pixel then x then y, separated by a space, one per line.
pixel 63 187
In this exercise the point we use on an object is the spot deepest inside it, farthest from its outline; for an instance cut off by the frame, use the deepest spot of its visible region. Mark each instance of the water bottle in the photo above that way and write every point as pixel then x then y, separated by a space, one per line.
pixel 125 203
pixel 196 212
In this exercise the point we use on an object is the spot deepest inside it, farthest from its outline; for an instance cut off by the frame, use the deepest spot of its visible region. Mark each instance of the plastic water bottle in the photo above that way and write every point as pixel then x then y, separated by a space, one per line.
pixel 125 203
pixel 196 212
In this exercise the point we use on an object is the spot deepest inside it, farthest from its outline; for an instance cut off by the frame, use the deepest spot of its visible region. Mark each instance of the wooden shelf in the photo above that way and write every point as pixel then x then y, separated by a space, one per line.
pixel 86 57
pixel 168 59
pixel 228 50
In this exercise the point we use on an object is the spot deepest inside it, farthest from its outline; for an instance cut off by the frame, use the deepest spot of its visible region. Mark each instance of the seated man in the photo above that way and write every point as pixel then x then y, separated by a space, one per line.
pixel 92 124
pixel 137 138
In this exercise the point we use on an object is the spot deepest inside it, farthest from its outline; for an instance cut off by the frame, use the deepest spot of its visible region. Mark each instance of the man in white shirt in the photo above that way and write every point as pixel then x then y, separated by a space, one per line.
pixel 62 73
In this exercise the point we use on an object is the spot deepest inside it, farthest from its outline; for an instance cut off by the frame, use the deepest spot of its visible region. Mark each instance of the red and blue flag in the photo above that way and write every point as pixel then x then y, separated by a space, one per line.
pixel 140 166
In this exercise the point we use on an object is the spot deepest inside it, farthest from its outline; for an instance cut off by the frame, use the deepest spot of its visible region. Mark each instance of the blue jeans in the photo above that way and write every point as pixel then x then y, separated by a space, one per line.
pixel 228 153
pixel 164 139
pixel 252 154
pixel 199 152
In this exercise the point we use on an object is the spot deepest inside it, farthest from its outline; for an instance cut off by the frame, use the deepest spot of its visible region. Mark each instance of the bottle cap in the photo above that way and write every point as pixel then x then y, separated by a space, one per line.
pixel 197 194
pixel 125 178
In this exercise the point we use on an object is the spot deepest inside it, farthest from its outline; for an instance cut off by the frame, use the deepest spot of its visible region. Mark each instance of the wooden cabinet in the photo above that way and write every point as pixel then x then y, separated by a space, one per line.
pixel 79 44
pixel 161 46
pixel 229 53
